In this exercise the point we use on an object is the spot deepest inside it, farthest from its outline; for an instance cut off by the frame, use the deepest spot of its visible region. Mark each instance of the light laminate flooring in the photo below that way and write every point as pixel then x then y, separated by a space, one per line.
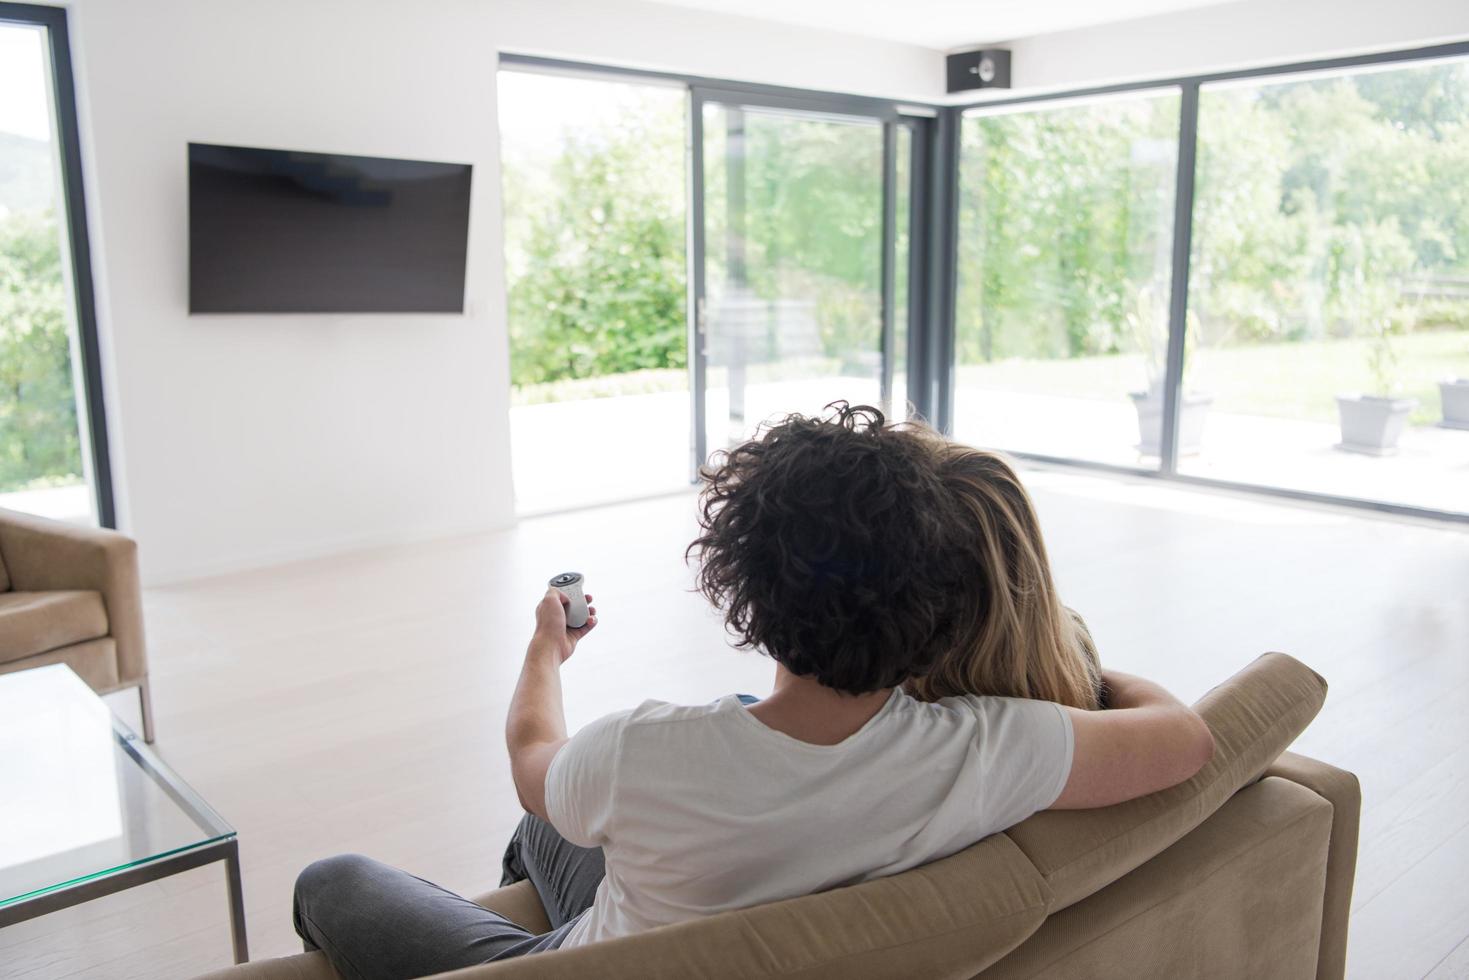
pixel 356 703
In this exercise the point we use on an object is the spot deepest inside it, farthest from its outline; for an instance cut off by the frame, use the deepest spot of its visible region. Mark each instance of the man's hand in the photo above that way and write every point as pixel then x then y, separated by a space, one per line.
pixel 551 628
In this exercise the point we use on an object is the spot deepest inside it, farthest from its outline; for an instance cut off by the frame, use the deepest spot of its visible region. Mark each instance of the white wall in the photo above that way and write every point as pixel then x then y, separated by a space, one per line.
pixel 249 440
pixel 1241 34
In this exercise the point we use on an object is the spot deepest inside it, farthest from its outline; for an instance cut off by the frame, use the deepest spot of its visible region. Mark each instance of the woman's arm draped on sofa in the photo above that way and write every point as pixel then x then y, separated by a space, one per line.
pixel 1148 742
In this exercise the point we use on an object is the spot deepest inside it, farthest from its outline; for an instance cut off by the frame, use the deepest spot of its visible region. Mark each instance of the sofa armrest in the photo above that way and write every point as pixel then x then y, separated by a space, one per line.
pixel 43 555
pixel 1255 716
pixel 1342 790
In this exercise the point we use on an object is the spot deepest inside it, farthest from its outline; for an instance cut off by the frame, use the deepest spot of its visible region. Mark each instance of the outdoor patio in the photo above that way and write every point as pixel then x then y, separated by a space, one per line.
pixel 72 502
pixel 588 451
pixel 1430 469
pixel 577 453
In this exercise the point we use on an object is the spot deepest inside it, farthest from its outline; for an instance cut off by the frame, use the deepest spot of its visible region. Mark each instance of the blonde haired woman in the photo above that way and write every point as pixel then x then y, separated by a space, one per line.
pixel 1020 641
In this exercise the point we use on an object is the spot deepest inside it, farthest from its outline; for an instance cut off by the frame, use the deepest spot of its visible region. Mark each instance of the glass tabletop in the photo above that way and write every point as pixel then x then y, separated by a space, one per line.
pixel 81 796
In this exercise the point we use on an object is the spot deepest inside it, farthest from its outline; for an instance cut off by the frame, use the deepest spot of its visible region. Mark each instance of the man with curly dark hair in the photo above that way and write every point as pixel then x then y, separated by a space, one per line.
pixel 833 546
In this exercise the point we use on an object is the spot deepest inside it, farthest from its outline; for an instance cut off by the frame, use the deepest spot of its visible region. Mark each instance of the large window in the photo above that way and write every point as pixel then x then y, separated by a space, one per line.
pixel 642 213
pixel 1319 343
pixel 46 448
pixel 794 232
pixel 1329 289
pixel 595 266
pixel 1255 278
pixel 1066 232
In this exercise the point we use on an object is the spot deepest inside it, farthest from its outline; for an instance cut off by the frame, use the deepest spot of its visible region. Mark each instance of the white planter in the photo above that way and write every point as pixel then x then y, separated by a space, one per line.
pixel 1372 424
pixel 1454 396
pixel 1192 410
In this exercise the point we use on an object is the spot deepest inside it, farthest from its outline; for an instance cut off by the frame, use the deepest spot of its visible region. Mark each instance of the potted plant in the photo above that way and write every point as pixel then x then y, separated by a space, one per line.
pixel 1193 407
pixel 1143 319
pixel 1372 423
pixel 1453 394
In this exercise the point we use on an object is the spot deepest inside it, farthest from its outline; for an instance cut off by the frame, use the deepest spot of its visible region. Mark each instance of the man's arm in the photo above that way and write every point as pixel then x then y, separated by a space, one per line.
pixel 1147 741
pixel 536 726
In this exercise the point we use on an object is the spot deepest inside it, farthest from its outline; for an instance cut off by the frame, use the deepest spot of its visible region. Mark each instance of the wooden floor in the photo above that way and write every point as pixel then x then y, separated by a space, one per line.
pixel 356 704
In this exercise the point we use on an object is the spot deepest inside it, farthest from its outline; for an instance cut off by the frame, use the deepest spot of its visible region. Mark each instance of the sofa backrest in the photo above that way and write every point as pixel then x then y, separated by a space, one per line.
pixel 956 916
pixel 948 919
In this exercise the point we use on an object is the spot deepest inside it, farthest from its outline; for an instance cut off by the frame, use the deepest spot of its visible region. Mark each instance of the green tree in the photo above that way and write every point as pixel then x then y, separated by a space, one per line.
pixel 39 440
pixel 1065 218
pixel 1309 195
pixel 596 253
pixel 812 228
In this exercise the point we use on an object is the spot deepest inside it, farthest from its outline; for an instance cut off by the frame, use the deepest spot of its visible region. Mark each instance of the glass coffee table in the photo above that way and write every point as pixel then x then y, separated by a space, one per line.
pixel 87 809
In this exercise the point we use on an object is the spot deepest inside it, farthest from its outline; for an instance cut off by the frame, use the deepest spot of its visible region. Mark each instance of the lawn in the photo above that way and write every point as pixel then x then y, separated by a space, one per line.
pixel 1289 380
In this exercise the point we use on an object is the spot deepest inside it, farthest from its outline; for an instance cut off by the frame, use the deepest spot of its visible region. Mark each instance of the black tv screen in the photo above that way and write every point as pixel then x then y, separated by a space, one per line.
pixel 278 231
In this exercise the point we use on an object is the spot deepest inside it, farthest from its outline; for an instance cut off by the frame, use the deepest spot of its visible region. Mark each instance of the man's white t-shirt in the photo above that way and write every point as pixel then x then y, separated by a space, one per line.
pixel 704 809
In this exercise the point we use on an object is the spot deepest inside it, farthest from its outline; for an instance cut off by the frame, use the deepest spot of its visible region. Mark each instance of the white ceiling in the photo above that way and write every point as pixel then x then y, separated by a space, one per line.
pixel 944 24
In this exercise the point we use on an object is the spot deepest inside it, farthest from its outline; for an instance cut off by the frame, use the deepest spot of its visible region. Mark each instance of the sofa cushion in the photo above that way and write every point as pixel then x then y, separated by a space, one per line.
pixel 34 622
pixel 94 661
pixel 1255 716
pixel 4 575
pixel 302 966
pixel 520 904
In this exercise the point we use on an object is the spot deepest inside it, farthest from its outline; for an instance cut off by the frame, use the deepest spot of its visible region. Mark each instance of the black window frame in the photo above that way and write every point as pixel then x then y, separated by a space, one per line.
pixel 54 22
pixel 943 323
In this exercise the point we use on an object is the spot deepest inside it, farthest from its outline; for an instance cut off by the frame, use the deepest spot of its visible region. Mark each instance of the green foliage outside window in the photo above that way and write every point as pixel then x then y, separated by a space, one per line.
pixel 1065 223
pixel 595 239
pixel 813 206
pixel 595 253
pixel 39 443
pixel 1325 208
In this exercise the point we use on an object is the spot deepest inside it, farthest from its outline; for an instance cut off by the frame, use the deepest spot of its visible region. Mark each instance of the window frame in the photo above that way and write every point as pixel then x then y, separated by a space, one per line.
pixel 53 20
pixel 1188 86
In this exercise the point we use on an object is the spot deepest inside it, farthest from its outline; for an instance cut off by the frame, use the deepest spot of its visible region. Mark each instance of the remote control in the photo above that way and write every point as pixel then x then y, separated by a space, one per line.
pixel 569 584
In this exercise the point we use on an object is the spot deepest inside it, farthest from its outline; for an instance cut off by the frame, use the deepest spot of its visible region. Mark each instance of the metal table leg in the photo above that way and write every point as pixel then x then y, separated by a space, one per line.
pixel 237 903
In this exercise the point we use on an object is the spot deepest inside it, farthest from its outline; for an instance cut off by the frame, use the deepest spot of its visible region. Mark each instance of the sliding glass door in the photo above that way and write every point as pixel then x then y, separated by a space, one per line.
pixel 1257 278
pixel 595 218
pixel 796 298
pixel 685 263
pixel 1065 264
pixel 1329 287
pixel 52 455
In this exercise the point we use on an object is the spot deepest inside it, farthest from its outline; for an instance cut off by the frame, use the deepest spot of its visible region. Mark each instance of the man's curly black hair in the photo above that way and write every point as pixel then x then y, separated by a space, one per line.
pixel 829 543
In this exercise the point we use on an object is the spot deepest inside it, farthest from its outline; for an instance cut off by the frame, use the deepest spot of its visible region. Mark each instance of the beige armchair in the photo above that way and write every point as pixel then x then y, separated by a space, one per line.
pixel 70 595
pixel 1243 871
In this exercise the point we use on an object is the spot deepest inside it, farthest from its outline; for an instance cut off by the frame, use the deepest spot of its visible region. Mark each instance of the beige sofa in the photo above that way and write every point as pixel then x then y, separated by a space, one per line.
pixel 1244 871
pixel 70 595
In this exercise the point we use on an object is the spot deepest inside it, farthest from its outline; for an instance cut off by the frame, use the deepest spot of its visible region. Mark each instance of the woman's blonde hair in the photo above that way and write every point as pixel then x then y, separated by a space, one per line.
pixel 1018 640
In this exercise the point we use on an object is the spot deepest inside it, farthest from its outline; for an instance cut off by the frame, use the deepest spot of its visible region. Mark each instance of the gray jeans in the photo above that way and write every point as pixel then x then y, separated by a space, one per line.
pixel 375 922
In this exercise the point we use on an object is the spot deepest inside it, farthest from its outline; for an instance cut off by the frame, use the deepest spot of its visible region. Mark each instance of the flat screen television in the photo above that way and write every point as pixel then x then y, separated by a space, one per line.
pixel 280 231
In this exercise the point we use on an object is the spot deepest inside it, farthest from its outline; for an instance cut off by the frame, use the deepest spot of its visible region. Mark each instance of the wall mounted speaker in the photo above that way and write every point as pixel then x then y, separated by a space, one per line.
pixel 987 68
